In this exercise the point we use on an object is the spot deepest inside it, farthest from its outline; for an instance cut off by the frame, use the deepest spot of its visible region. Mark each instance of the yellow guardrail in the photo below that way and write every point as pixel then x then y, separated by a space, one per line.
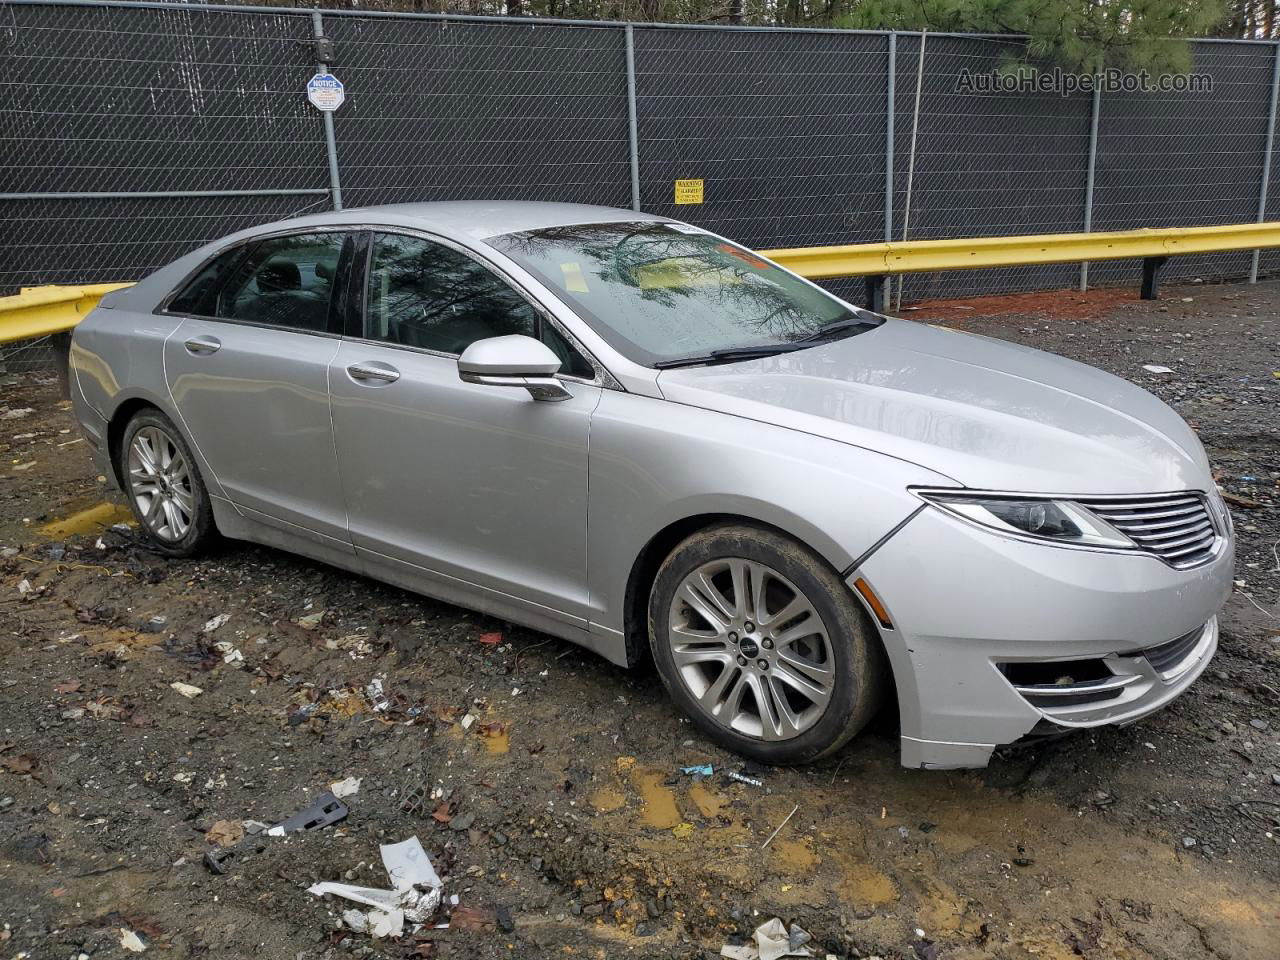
pixel 41 311
pixel 917 256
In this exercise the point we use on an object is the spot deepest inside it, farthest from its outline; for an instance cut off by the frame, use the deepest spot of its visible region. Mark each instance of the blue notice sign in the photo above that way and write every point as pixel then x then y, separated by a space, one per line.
pixel 325 92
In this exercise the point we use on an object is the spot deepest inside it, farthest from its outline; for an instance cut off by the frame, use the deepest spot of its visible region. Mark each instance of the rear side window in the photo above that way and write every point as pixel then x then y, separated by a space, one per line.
pixel 285 282
pixel 199 296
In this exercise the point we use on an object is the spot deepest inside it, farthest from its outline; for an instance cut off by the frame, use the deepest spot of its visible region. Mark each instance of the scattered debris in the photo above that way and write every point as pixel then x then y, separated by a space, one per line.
pixel 772 941
pixel 225 833
pixel 415 893
pixel 131 941
pixel 743 778
pixel 324 811
pixel 491 639
pixel 311 620
pixel 700 770
pixel 476 919
pixel 186 689
pixel 216 622
pixel 346 788
pixel 784 822
pixel 229 652
pixel 1156 368
pixel 377 699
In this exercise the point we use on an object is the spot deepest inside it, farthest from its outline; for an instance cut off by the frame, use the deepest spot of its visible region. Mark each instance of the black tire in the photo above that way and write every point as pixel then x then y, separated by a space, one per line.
pixel 860 673
pixel 200 531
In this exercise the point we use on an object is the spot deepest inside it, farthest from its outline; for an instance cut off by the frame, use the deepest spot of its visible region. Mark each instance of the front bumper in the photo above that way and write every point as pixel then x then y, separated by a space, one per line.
pixel 967 603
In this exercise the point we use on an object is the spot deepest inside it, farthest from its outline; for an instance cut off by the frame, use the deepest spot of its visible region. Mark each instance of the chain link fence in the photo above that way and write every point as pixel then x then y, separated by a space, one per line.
pixel 137 131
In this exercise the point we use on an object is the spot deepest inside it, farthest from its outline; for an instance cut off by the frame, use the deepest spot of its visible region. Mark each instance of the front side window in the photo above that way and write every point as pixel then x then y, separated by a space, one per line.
pixel 658 292
pixel 285 282
pixel 427 295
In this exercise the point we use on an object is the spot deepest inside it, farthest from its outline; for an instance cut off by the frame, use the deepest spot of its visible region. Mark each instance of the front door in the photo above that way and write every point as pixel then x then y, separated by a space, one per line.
pixel 460 481
pixel 249 381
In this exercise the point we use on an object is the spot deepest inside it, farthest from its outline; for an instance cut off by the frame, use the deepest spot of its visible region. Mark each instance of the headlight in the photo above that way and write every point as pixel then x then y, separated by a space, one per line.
pixel 1060 521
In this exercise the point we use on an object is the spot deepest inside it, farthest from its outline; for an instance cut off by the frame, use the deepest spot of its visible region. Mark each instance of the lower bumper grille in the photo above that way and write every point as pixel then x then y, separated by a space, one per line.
pixel 1169 657
pixel 1090 691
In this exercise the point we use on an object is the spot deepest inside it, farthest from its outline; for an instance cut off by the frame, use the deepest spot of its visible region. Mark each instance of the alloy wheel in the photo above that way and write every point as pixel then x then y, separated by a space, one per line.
pixel 160 484
pixel 751 649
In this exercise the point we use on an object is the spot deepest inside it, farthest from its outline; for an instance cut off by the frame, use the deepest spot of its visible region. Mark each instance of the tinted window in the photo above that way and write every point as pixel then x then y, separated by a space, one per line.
pixel 571 361
pixel 197 297
pixel 423 294
pixel 285 282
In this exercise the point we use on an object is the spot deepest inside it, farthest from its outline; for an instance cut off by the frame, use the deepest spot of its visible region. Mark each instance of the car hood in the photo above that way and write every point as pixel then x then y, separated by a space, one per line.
pixel 989 414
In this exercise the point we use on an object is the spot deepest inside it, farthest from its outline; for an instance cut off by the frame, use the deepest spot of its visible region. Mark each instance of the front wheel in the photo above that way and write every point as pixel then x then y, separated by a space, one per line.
pixel 759 641
pixel 164 486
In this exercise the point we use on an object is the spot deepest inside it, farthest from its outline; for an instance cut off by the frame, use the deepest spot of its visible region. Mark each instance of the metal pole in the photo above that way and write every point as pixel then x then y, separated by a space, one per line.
pixel 1089 177
pixel 330 143
pixel 890 101
pixel 911 160
pixel 160 194
pixel 1266 158
pixel 633 126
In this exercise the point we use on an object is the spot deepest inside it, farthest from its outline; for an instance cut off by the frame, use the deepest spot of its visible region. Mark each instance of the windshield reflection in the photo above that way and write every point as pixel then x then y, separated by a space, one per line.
pixel 658 291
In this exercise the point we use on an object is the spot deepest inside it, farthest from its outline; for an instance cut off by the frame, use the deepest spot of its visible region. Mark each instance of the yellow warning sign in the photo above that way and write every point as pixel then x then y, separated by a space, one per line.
pixel 688 191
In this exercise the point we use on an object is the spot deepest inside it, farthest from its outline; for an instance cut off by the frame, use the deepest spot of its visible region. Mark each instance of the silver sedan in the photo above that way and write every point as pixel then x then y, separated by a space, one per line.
pixel 629 432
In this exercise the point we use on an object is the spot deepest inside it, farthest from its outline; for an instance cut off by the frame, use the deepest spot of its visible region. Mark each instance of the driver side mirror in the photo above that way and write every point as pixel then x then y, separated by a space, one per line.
pixel 514 361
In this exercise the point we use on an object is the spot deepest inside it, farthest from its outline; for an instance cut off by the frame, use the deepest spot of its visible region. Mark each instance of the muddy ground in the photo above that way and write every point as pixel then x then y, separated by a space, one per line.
pixel 555 807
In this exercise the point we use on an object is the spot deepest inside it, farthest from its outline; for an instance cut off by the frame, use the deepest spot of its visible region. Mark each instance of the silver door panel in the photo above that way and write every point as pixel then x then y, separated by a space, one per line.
pixel 258 406
pixel 479 483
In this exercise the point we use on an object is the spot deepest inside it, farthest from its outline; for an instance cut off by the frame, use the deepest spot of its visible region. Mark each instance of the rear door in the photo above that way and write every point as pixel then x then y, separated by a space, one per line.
pixel 248 370
pixel 449 481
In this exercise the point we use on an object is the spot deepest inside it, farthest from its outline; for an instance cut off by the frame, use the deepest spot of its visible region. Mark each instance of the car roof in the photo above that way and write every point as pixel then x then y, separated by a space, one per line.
pixel 474 218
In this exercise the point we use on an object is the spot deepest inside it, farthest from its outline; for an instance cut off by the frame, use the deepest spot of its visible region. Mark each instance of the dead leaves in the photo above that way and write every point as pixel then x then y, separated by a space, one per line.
pixel 225 833
pixel 22 765
pixel 107 708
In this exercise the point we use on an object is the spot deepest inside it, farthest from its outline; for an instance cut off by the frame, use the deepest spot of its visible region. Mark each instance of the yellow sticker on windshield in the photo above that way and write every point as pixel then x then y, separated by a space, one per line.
pixel 574 280
pixel 688 191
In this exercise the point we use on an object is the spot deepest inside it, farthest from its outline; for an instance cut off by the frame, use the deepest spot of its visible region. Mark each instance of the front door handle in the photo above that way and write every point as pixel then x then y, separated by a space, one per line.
pixel 203 345
pixel 375 371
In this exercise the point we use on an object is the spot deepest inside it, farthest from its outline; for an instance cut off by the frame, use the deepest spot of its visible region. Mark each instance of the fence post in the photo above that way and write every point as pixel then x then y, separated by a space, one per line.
pixel 1266 158
pixel 330 143
pixel 911 159
pixel 633 126
pixel 1089 177
pixel 890 111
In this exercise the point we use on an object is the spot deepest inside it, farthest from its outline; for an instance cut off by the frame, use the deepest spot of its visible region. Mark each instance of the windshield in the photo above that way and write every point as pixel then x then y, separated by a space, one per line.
pixel 663 292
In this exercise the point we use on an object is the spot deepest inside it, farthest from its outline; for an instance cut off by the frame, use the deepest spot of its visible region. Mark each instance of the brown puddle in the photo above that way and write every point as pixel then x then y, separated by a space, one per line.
pixel 94 519
pixel 497 741
pixel 606 800
pixel 658 804
pixel 708 802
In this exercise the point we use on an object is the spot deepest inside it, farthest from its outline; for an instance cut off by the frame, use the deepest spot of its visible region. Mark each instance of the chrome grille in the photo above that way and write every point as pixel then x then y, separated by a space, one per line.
pixel 1176 527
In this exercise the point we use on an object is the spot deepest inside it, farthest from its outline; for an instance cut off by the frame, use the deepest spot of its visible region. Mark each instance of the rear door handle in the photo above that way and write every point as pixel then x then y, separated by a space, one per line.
pixel 203 345
pixel 375 371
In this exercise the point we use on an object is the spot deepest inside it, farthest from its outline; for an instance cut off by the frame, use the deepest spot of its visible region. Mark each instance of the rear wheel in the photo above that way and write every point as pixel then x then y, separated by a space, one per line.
pixel 164 487
pixel 759 641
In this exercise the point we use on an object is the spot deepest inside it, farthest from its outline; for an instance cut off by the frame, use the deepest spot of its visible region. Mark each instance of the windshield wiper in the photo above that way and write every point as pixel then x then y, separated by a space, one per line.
pixel 840 326
pixel 728 355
